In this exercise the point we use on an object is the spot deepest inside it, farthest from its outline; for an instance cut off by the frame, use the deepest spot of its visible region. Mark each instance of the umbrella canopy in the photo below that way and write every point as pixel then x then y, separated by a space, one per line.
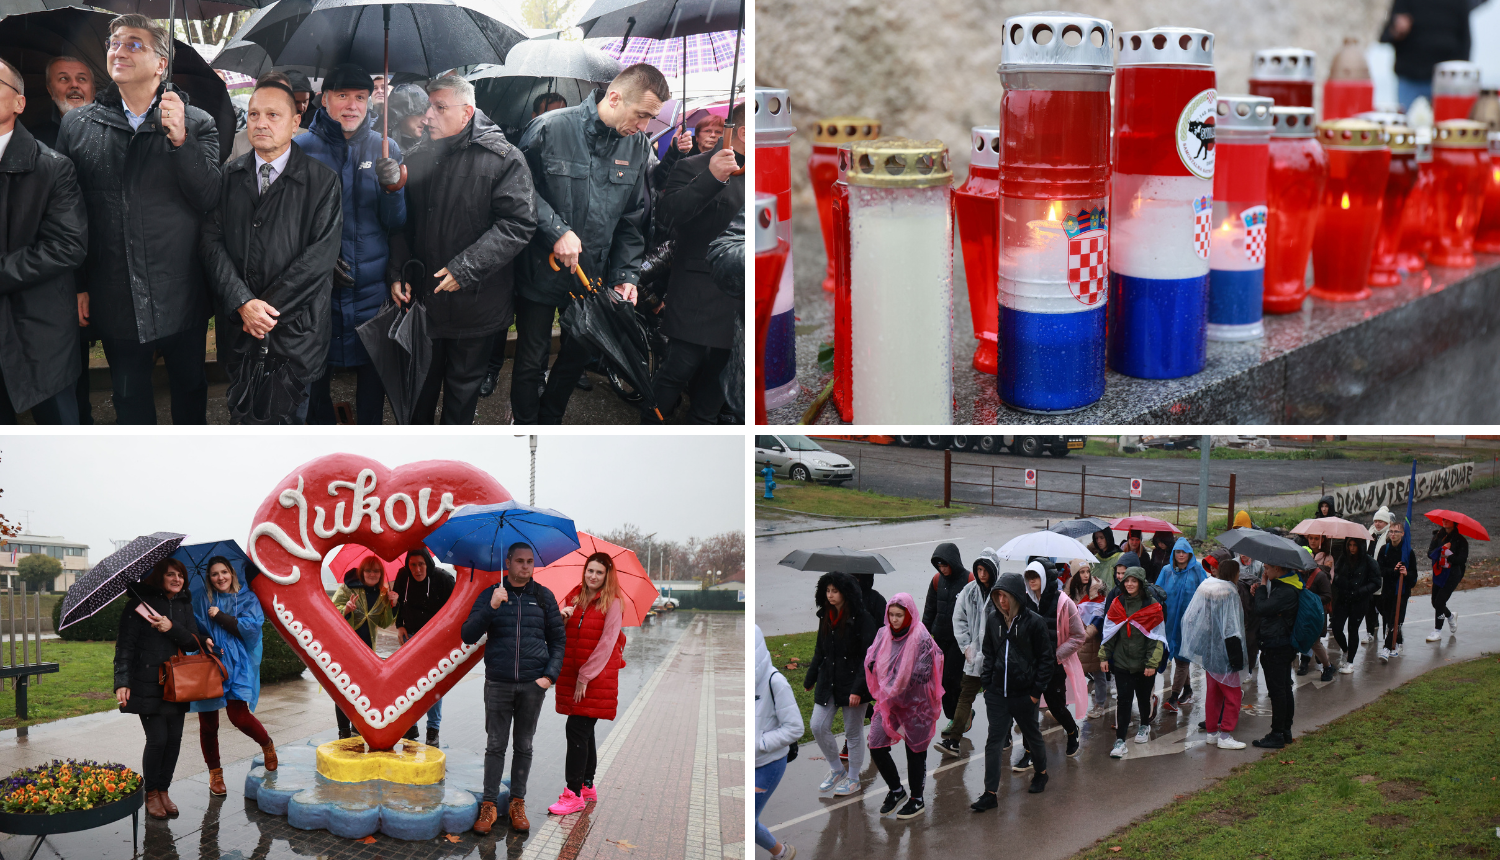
pixel 700 52
pixel 1080 528
pixel 1267 548
pixel 1467 525
pixel 1332 527
pixel 637 592
pixel 507 101
pixel 1143 524
pixel 658 19
pixel 109 578
pixel 196 10
pixel 399 347
pixel 838 559
pixel 195 558
pixel 552 58
pixel 353 555
pixel 1046 545
pixel 478 536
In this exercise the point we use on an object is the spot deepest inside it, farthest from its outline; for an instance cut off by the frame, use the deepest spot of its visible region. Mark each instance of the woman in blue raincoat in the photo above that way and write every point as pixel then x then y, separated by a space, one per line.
pixel 1179 579
pixel 232 618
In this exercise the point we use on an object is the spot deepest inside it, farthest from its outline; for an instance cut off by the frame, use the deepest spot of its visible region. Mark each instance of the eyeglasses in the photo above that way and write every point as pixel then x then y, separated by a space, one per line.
pixel 134 46
pixel 12 86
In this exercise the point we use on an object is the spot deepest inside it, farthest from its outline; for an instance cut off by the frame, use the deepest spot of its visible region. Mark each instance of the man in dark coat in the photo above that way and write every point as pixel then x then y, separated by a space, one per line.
pixel 1019 660
pixel 148 167
pixel 1424 34
pixel 589 165
pixel 1274 601
pixel 522 659
pixel 469 197
pixel 937 617
pixel 422 588
pixel 702 196
pixel 70 84
pixel 43 238
pixel 271 246
pixel 344 139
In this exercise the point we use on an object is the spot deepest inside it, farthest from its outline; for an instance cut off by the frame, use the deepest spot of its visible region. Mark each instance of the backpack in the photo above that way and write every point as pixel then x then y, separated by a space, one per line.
pixel 1309 626
pixel 791 751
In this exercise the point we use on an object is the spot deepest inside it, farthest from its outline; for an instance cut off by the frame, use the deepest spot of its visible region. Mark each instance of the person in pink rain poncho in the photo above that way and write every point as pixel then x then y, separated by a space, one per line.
pixel 904 670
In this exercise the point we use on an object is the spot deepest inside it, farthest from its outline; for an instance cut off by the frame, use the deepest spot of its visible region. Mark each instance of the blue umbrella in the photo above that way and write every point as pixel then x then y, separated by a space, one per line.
pixel 477 536
pixel 196 556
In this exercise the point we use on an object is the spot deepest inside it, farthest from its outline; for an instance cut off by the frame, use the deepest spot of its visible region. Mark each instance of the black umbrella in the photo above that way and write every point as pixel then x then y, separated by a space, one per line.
pixel 1080 528
pixel 600 318
pixel 262 387
pixel 839 559
pixel 397 341
pixel 109 578
pixel 1267 548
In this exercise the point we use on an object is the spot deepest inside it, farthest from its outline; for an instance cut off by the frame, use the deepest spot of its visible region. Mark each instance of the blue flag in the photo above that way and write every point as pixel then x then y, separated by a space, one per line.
pixel 1411 493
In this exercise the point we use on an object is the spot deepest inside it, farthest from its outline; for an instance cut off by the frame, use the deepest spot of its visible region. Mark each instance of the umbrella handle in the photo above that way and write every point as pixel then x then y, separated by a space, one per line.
pixel 385 105
pixel 577 269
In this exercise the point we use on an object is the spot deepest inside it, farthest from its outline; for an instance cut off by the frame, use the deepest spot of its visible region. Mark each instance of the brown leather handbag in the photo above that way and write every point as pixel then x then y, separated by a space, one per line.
pixel 192 678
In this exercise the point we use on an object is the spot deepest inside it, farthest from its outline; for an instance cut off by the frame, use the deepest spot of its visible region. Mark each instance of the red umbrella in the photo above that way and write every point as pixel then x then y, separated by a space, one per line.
pixel 565 574
pixel 353 555
pixel 1144 524
pixel 1332 527
pixel 1467 526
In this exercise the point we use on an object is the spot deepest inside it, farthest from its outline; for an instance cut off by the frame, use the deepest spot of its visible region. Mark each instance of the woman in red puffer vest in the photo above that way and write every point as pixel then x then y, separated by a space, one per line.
pixel 587 689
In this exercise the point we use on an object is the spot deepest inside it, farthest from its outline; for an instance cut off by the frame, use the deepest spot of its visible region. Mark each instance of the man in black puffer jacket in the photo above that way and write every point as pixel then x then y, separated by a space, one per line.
pixel 937 617
pixel 422 589
pixel 522 659
pixel 1019 659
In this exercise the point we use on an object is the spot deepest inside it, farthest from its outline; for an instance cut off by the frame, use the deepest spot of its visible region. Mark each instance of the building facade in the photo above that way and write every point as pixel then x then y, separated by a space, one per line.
pixel 73 556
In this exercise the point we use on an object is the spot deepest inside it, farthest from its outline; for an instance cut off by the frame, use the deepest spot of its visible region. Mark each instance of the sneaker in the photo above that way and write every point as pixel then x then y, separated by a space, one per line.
pixel 970 723
pixel 567 804
pixel 1272 741
pixel 1306 666
pixel 1114 692
pixel 1119 749
pixel 846 787
pixel 1073 745
pixel 589 794
pixel 985 803
pixel 1187 695
pixel 1143 734
pixel 830 781
pixel 1095 713
pixel 1452 624
pixel 1400 649
pixel 1328 673
pixel 1212 738
pixel 948 746
pixel 1346 669
pixel 912 809
pixel 1170 706
pixel 1367 638
pixel 947 730
pixel 1038 784
pixel 893 799
pixel 788 852
pixel 487 816
pixel 1228 743
pixel 1434 636
pixel 1203 725
pixel 1385 655
pixel 1022 764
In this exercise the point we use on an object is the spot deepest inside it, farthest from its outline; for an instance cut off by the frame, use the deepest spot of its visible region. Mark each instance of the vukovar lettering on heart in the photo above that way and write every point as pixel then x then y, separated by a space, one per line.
pixel 345 499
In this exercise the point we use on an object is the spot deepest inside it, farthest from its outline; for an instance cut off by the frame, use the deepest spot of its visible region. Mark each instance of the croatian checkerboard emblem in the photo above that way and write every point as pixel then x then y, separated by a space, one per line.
pixel 1255 234
pixel 1088 255
pixel 1203 213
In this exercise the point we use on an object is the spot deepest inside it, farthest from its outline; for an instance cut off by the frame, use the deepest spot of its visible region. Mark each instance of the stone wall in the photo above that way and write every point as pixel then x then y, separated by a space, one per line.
pixel 926 68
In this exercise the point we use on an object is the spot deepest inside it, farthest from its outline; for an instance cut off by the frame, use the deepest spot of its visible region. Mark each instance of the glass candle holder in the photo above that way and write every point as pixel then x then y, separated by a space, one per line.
pixel 1384 267
pixel 1054 210
pixel 1487 234
pixel 1455 88
pixel 901 258
pixel 1416 216
pixel 1237 263
pixel 1161 194
pixel 843 343
pixel 770 257
pixel 823 170
pixel 977 203
pixel 1359 163
pixel 1296 173
pixel 1285 75
pixel 1460 164
pixel 773 175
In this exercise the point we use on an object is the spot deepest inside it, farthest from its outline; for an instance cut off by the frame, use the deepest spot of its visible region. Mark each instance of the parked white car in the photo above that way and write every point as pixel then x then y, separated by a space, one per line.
pixel 801 459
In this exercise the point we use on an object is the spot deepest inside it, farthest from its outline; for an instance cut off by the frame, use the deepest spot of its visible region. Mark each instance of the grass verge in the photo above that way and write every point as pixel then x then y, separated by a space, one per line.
pixel 1377 452
pixel 823 500
pixel 1396 778
pixel 83 684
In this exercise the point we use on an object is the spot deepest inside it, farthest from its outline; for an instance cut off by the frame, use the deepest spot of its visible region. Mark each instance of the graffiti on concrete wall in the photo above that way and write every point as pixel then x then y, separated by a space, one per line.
pixel 1391 492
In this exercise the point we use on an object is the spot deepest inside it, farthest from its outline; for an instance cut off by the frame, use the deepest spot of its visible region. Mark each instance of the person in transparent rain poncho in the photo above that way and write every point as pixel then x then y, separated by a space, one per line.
pixel 904 671
pixel 1213 636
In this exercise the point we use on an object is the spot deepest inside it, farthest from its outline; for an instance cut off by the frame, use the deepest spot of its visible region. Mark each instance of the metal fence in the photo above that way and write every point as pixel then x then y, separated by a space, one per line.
pixel 23 620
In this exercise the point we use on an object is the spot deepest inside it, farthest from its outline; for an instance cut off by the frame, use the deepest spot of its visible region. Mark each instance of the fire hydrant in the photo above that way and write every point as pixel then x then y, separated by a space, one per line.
pixel 770 475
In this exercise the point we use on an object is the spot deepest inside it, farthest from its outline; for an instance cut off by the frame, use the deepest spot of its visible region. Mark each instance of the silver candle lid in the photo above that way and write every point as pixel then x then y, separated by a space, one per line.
pixel 1243 113
pixel 1424 144
pixel 1292 122
pixel 765 222
pixel 1056 41
pixel 1495 144
pixel 1383 117
pixel 1284 64
pixel 1455 78
pixel 773 117
pixel 1165 46
pixel 984 146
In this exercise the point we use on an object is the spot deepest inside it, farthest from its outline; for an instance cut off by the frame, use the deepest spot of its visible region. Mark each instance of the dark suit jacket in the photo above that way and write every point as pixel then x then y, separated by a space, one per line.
pixel 696 207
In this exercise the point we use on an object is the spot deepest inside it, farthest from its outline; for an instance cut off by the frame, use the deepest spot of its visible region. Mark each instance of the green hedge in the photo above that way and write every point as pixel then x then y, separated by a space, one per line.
pixel 720 600
pixel 278 662
pixel 102 626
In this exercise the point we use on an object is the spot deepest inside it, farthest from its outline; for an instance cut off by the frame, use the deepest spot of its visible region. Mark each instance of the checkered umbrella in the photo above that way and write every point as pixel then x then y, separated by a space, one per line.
pixel 109 578
pixel 703 52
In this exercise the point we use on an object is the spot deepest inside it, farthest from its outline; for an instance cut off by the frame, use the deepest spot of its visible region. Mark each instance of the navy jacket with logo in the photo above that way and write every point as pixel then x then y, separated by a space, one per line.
pixel 526 634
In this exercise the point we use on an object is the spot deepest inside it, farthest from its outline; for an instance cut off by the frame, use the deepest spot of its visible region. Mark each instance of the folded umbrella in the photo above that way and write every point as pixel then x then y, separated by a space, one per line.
pixel 478 536
pixel 114 573
pixel 1267 548
pixel 836 558
pixel 1331 527
pixel 262 387
pixel 1467 525
pixel 1045 545
pixel 637 591
pixel 600 318
pixel 1080 528
pixel 398 344
pixel 1143 524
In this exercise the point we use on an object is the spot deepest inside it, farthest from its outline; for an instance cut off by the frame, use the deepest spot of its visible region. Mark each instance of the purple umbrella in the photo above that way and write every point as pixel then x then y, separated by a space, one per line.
pixel 700 52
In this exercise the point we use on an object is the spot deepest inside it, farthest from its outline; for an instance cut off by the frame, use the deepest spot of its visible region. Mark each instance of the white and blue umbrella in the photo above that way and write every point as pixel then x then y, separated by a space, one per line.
pixel 478 536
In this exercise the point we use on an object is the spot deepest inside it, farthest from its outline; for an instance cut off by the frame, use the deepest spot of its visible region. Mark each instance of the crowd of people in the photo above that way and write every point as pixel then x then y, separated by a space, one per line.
pixel 1130 625
pixel 130 224
pixel 535 643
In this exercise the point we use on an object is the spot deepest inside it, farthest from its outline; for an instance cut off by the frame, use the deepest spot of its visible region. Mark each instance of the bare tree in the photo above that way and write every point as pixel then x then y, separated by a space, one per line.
pixel 547 14
pixel 7 528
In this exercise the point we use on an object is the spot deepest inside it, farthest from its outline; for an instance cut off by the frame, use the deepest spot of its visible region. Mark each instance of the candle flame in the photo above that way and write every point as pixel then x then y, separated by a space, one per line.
pixel 1497 176
pixel 1054 211
pixel 1344 204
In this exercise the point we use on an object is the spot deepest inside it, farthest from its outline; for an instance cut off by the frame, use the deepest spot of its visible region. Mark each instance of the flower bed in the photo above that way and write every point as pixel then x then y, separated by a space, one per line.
pixel 67 786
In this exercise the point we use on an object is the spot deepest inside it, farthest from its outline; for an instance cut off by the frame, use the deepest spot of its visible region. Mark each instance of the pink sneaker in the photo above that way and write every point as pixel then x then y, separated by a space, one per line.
pixel 567 804
pixel 589 794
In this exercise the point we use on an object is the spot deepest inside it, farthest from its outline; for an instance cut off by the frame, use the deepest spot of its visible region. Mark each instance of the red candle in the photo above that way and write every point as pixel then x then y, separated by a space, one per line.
pixel 1294 188
pixel 1343 98
pixel 1416 228
pixel 1403 144
pixel 1459 165
pixel 1359 163
pixel 1455 88
pixel 1487 235
pixel 1286 75
pixel 823 170
pixel 977 202
pixel 770 258
pixel 843 341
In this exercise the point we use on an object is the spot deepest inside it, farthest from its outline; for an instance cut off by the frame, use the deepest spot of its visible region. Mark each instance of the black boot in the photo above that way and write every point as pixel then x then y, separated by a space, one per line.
pixel 411 734
pixel 432 736
pixel 1306 663
pixel 491 379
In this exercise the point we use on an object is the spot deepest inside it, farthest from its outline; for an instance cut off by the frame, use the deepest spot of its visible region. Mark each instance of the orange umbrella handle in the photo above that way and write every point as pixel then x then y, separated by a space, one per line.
pixel 577 269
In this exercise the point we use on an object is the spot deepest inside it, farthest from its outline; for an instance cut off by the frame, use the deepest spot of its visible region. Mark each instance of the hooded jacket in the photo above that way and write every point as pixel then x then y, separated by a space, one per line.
pixel 1088 652
pixel 837 668
pixel 1159 557
pixel 1046 605
pixel 1276 606
pixel 778 721
pixel 874 601
pixel 527 634
pixel 1129 650
pixel 1334 548
pixel 418 602
pixel 942 596
pixel 237 630
pixel 140 649
pixel 696 207
pixel 1356 577
pixel 371 608
pixel 1019 657
pixel 1250 575
pixel 1387 559
pixel 1456 562
pixel 969 615
pixel 1179 586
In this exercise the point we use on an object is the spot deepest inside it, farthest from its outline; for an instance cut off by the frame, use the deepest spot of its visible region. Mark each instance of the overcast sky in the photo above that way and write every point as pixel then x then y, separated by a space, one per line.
pixel 92 489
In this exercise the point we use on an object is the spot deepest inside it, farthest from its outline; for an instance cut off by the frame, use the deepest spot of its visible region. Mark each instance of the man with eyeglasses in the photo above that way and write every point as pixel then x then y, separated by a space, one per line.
pixel 42 227
pixel 148 166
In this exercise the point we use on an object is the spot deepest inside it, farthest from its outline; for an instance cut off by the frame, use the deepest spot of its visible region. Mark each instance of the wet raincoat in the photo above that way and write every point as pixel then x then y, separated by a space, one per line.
pixel 1179 586
pixel 969 613
pixel 904 672
pixel 1213 631
pixel 236 631
pixel 778 722
pixel 1071 637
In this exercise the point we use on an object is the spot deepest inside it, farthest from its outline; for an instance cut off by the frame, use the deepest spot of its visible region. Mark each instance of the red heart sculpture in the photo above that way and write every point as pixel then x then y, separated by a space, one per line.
pixel 390 511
